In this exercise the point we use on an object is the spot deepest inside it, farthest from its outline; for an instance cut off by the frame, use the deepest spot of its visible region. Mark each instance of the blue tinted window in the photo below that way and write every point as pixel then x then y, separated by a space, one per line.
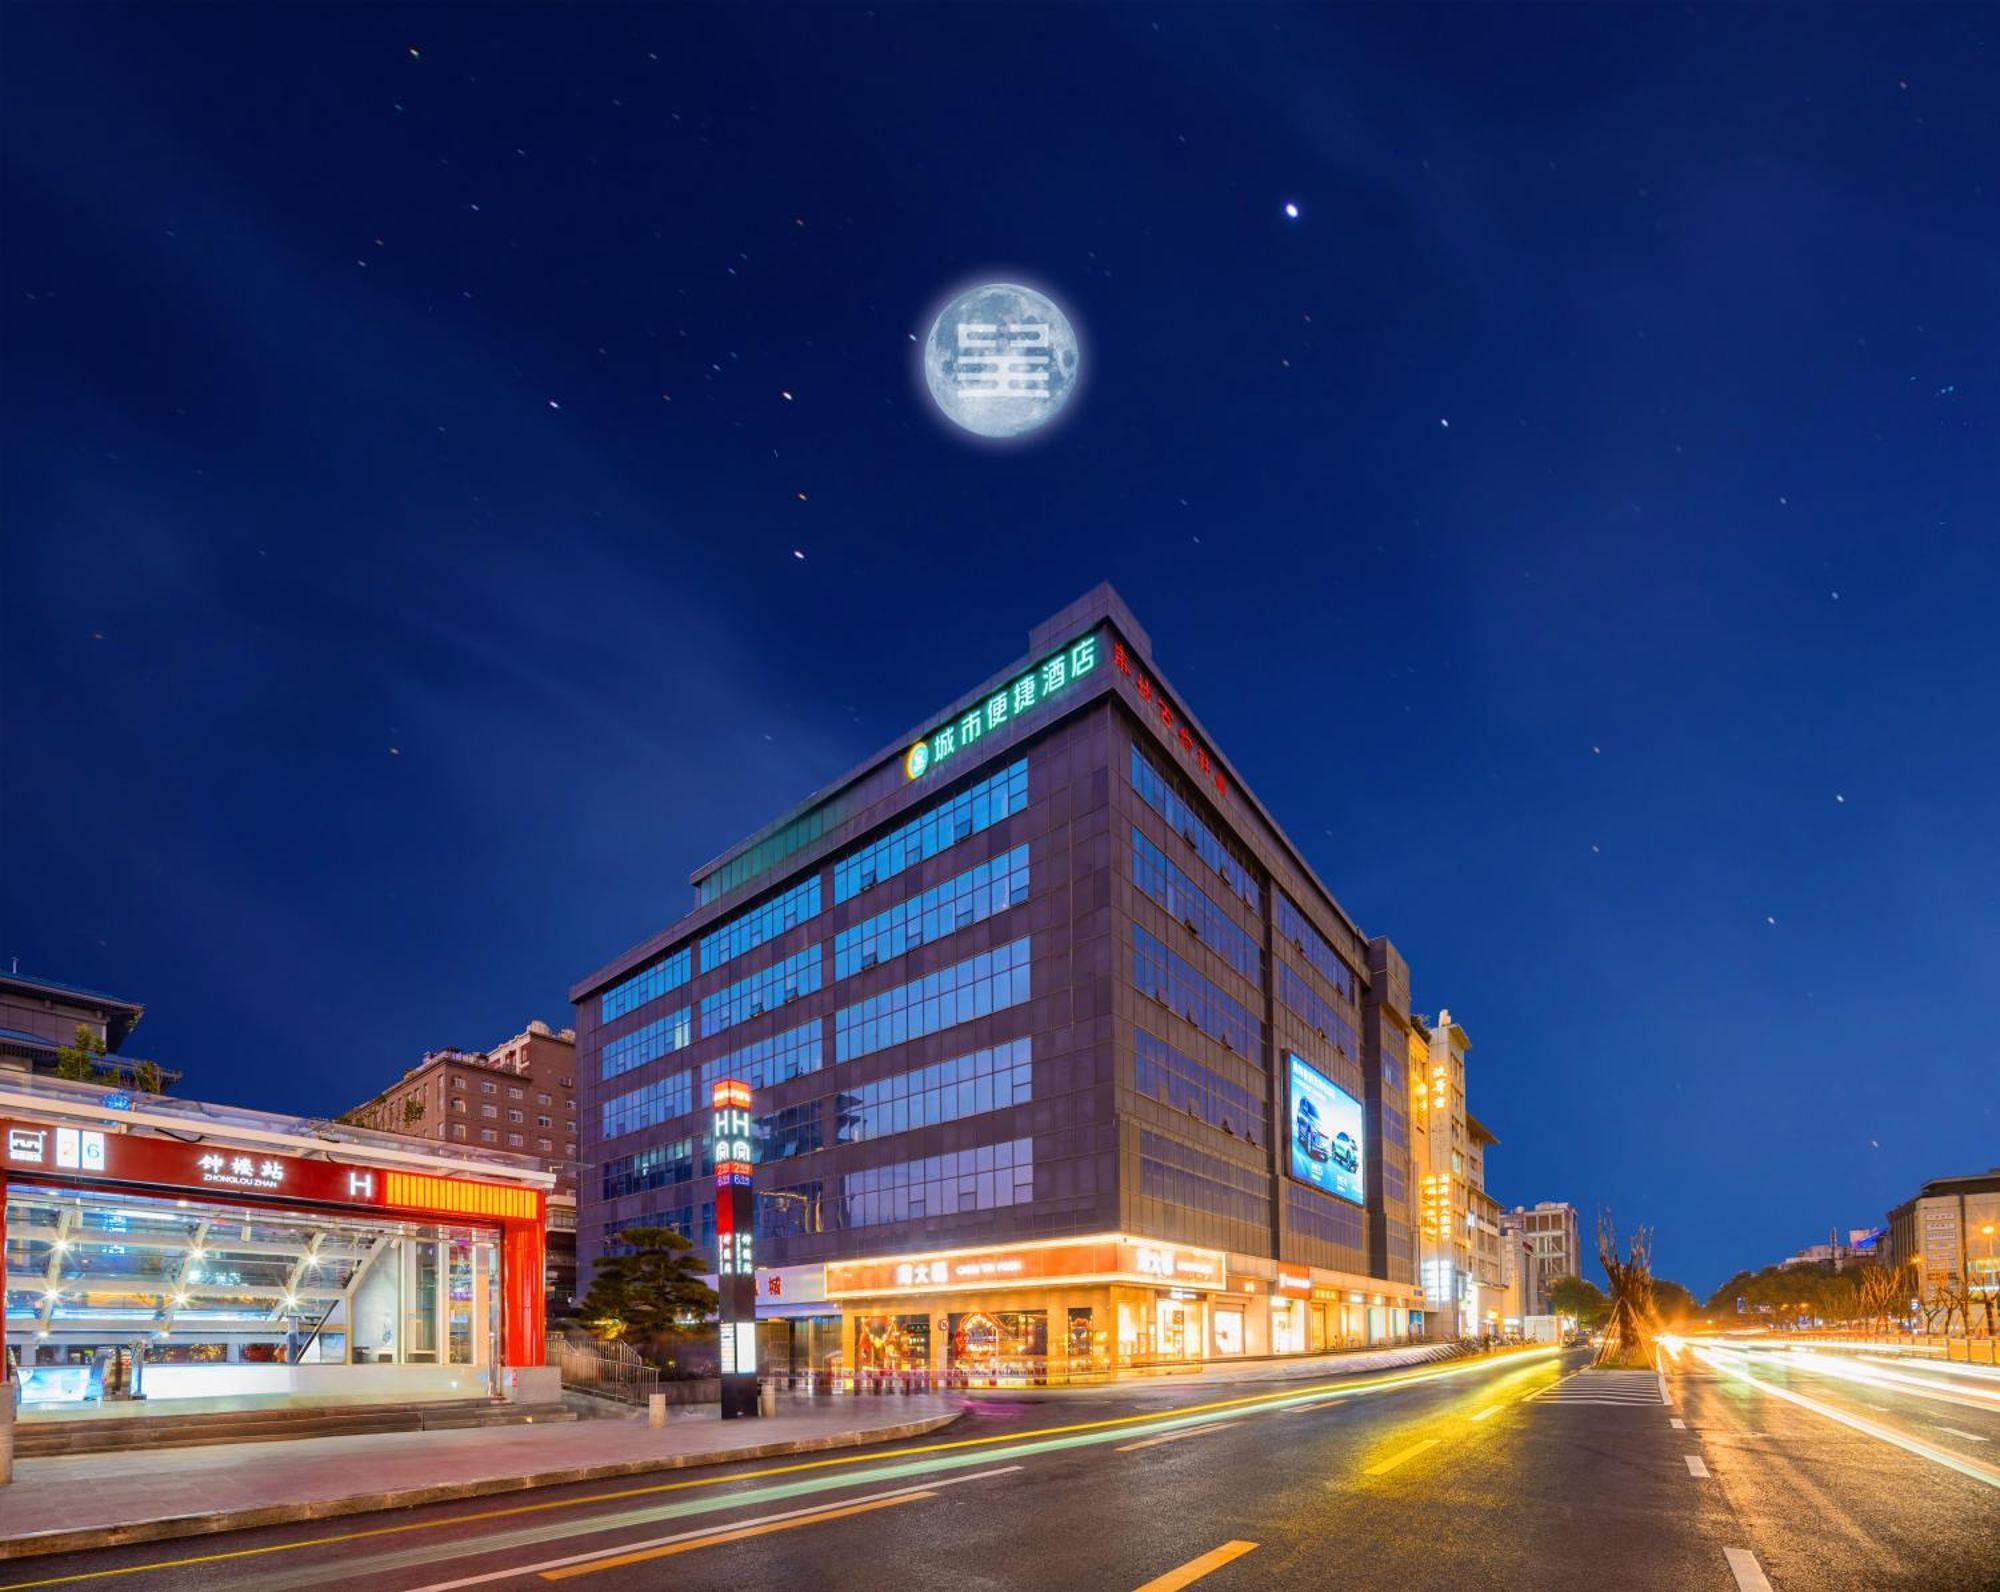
pixel 656 1166
pixel 650 1104
pixel 971 810
pixel 1321 1216
pixel 772 1060
pixel 794 1130
pixel 797 905
pixel 761 992
pixel 1169 978
pixel 1158 793
pixel 1181 1175
pixel 790 1211
pixel 970 898
pixel 982 1179
pixel 985 1178
pixel 1157 875
pixel 647 984
pixel 1317 1013
pixel 1185 1084
pixel 984 1080
pixel 986 983
pixel 1324 959
pixel 661 1037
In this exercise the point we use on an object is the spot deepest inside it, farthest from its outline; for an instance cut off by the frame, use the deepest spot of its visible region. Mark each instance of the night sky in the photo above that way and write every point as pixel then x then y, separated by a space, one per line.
pixel 1578 524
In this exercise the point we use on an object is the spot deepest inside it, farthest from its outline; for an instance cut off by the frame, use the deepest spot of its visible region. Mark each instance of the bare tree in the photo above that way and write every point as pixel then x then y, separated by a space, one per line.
pixel 1628 1335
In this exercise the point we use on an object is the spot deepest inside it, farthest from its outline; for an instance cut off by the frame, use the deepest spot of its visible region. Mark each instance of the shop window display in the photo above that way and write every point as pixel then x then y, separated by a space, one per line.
pixel 990 1347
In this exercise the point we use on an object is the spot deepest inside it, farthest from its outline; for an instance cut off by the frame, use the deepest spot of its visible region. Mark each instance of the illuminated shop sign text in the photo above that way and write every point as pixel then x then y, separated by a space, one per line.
pixel 1154 700
pixel 1050 677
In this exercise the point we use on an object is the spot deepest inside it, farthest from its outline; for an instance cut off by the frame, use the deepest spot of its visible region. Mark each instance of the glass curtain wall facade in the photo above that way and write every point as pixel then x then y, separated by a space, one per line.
pixel 1033 977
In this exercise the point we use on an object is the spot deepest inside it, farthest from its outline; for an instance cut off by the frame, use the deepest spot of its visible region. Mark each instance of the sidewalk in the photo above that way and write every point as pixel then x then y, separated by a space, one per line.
pixel 74 1501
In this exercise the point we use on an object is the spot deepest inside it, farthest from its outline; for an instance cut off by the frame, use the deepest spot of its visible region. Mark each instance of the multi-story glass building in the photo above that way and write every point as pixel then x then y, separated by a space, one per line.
pixel 1065 1061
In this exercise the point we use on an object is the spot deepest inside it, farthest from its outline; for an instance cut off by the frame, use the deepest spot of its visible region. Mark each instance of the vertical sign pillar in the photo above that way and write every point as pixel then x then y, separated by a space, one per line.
pixel 735 1259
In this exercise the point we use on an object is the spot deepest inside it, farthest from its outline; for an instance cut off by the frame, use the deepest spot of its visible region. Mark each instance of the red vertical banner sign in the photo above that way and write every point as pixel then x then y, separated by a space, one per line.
pixel 735 1251
pixel 523 1294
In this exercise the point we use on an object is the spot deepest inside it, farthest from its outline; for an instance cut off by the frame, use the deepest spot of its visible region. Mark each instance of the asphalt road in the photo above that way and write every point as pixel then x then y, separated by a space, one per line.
pixel 1515 1473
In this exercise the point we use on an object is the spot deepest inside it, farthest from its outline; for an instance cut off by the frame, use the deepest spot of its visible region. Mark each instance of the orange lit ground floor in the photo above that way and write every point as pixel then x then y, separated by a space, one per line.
pixel 1091 1309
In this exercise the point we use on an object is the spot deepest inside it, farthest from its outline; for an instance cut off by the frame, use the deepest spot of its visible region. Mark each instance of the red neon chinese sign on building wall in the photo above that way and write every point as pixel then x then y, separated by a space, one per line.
pixel 1155 701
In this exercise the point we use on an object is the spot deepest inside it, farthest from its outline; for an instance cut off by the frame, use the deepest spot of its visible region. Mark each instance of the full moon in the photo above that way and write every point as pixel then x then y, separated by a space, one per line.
pixel 1001 360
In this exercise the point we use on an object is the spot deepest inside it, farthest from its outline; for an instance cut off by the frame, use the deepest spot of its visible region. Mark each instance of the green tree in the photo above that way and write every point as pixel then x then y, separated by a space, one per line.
pixel 1573 1296
pixel 413 1109
pixel 653 1292
pixel 1672 1302
pixel 147 1077
pixel 77 1061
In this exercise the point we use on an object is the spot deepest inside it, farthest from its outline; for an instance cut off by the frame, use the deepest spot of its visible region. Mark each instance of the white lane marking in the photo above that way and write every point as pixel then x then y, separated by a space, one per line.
pixel 1175 1437
pixel 1749 1573
pixel 1679 1425
pixel 1492 1409
pixel 1970 1437
pixel 1665 1396
pixel 713 1528
pixel 1695 1466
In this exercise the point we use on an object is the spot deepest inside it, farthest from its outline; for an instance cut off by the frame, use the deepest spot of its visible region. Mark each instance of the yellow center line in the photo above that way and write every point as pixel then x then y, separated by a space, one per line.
pixel 619 1561
pixel 1394 1460
pixel 1340 1388
pixel 1195 1569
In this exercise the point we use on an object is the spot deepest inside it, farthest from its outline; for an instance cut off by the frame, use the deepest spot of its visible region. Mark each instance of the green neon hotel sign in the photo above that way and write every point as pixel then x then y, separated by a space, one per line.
pixel 1053 676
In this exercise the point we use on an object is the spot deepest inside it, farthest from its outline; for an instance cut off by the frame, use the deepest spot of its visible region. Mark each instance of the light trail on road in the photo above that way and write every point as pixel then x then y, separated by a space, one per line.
pixel 1733 1364
pixel 1895 1378
pixel 827 1474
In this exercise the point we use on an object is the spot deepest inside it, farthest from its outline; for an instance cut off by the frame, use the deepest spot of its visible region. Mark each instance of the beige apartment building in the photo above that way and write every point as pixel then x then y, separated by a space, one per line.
pixel 1950 1233
pixel 519 1096
pixel 1550 1230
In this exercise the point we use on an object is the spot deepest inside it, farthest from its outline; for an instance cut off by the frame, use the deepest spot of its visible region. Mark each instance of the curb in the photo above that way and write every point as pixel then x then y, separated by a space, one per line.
pixel 76 1539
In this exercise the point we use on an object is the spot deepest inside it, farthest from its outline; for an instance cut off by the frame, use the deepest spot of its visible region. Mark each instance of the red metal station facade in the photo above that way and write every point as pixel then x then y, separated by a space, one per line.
pixel 63 1155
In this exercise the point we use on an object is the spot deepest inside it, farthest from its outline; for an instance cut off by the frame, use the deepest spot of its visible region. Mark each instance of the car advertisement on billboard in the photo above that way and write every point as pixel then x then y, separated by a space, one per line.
pixel 1325 1133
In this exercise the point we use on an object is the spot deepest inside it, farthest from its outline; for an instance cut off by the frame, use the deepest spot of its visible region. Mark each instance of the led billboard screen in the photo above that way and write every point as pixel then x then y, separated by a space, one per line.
pixel 1325 1133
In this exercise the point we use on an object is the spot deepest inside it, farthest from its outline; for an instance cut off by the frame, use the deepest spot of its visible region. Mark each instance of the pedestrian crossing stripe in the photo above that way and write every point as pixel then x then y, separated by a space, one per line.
pixel 1604 1387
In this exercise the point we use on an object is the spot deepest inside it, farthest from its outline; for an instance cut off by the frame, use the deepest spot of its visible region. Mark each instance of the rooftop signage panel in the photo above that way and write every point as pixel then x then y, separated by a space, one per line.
pixel 1052 677
pixel 1113 1259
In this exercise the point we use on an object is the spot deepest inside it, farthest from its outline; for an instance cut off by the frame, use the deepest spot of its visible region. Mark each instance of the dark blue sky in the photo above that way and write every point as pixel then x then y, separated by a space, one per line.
pixel 401 507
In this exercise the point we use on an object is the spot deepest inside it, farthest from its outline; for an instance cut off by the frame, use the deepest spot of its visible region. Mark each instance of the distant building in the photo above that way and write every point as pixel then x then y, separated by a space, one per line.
pixel 1950 1232
pixel 1519 1276
pixel 1859 1244
pixel 520 1096
pixel 39 1016
pixel 1458 1238
pixel 1551 1231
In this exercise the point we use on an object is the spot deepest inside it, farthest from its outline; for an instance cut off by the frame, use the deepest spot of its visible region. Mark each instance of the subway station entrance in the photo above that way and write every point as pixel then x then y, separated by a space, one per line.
pixel 251 1266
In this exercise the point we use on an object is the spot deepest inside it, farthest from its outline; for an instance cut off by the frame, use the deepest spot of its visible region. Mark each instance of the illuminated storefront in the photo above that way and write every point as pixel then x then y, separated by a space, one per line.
pixel 1064 1310
pixel 179 1251
pixel 1090 1308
